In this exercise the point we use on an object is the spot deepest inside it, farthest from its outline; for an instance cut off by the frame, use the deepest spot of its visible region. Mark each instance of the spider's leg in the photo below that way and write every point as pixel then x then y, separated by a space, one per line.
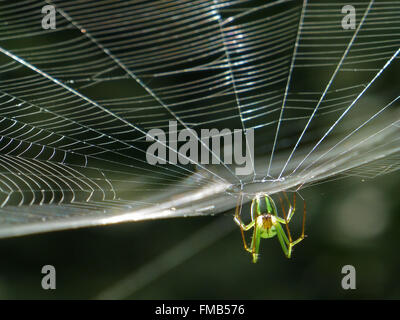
pixel 292 244
pixel 283 240
pixel 287 245
pixel 292 208
pixel 285 217
pixel 286 241
pixel 255 243
pixel 254 204
pixel 302 236
pixel 240 223
pixel 304 221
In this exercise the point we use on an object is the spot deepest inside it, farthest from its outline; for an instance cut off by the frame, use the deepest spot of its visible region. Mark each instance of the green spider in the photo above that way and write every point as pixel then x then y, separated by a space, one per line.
pixel 268 224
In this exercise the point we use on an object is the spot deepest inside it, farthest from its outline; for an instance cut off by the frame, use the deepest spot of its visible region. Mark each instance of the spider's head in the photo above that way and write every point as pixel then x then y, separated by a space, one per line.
pixel 266 223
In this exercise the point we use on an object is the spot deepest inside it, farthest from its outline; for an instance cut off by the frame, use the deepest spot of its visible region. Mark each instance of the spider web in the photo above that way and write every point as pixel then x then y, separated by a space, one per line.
pixel 76 103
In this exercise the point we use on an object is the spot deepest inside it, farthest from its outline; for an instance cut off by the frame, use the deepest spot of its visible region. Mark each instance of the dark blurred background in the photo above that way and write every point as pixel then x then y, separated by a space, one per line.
pixel 350 221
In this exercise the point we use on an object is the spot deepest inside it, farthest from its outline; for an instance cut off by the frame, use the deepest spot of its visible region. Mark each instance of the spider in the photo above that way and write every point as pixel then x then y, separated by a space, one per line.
pixel 268 224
